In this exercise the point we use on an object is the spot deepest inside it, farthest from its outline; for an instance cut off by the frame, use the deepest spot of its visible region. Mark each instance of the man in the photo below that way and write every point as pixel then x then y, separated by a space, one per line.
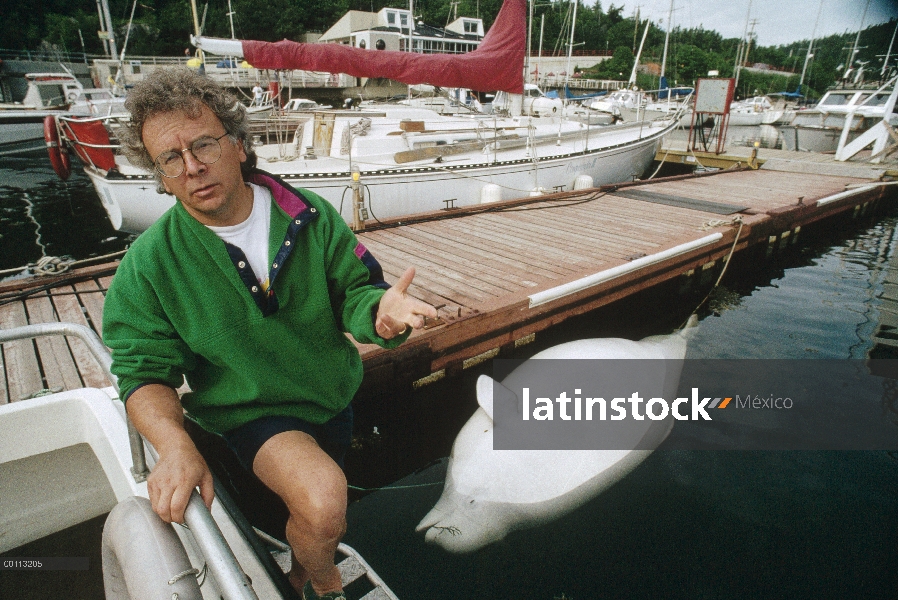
pixel 245 287
pixel 257 94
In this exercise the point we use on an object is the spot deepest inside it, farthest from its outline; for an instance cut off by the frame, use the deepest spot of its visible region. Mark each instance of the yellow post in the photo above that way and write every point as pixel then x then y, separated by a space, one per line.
pixel 358 202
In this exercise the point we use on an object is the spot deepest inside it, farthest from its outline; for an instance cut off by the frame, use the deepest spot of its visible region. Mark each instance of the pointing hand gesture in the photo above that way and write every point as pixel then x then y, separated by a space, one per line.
pixel 397 310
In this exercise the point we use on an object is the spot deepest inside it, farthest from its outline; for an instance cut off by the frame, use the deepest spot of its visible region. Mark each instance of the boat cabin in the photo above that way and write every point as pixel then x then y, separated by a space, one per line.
pixel 50 90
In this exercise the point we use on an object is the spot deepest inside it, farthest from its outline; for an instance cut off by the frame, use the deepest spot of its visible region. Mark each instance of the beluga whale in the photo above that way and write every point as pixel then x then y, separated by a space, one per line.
pixel 489 492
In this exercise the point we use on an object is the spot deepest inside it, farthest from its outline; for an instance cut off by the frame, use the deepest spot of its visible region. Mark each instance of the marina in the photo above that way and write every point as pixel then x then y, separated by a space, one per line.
pixel 758 493
pixel 632 238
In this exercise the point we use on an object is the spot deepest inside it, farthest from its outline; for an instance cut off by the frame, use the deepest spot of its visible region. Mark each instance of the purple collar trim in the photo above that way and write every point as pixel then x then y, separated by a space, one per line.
pixel 291 203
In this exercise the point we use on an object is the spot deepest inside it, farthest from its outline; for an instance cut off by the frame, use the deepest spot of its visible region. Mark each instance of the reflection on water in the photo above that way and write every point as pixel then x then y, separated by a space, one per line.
pixel 40 215
pixel 683 524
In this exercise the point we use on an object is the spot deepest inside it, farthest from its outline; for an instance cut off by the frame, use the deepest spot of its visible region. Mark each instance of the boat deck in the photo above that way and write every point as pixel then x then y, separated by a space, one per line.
pixel 502 272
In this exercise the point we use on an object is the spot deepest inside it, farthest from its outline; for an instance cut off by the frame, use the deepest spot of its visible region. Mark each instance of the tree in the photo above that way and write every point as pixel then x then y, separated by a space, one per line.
pixel 618 67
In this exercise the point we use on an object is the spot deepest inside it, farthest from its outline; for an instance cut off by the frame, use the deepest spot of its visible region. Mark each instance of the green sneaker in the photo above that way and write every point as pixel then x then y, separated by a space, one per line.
pixel 308 593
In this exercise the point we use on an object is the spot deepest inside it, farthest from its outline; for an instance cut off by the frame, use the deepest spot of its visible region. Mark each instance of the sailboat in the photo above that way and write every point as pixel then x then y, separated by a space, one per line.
pixel 408 160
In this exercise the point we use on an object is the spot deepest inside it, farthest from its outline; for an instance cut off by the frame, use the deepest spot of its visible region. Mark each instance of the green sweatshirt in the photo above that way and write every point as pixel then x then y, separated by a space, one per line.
pixel 184 303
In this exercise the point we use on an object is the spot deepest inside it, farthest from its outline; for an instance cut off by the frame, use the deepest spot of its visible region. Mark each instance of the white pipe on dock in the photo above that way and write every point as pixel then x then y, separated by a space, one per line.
pixel 847 194
pixel 578 285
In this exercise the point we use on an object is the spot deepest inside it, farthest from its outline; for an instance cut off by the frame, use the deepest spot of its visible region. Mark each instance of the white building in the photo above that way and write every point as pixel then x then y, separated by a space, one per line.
pixel 389 30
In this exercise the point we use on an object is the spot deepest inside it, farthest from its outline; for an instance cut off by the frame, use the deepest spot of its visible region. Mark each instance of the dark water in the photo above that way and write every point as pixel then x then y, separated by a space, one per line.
pixel 690 525
pixel 706 525
pixel 41 215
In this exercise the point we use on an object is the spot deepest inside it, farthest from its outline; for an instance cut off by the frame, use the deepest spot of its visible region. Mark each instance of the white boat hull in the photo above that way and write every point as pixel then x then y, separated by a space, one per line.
pixel 813 139
pixel 745 119
pixel 611 156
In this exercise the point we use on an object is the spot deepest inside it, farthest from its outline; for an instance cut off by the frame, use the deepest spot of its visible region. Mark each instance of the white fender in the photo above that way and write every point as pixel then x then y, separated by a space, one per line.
pixel 143 557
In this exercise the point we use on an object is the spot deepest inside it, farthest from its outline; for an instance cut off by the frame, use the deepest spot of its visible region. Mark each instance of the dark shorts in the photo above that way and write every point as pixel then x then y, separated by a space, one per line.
pixel 334 437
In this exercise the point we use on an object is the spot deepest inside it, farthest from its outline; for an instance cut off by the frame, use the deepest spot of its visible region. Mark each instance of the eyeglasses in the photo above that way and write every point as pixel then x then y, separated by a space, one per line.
pixel 207 150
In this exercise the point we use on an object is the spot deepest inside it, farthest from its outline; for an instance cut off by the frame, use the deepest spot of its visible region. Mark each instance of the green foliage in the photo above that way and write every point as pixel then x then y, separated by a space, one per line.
pixel 619 67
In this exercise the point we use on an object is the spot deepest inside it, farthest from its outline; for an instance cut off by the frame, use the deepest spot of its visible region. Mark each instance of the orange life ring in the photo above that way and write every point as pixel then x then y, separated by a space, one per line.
pixel 59 157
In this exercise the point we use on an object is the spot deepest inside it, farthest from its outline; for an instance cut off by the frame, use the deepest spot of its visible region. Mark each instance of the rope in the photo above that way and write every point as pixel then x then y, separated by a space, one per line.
pixel 51 265
pixel 54 265
pixel 737 219
pixel 195 572
pixel 394 487
pixel 714 223
pixel 666 152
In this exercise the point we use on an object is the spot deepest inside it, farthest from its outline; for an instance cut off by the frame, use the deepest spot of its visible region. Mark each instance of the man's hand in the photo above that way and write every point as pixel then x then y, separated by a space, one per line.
pixel 174 478
pixel 156 411
pixel 397 310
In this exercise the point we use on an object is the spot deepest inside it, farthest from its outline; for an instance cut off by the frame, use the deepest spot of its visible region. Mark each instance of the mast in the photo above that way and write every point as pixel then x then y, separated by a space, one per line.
pixel 810 53
pixel 570 48
pixel 529 43
pixel 857 39
pixel 231 19
pixel 632 81
pixel 113 51
pixel 666 39
pixel 120 76
pixel 738 67
pixel 411 26
pixel 196 28
pixel 103 28
pixel 542 27
pixel 882 73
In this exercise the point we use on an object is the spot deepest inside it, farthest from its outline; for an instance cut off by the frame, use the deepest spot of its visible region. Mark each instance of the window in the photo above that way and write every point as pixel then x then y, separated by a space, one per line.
pixel 836 100
pixel 391 18
pixel 362 44
pixel 470 26
pixel 403 20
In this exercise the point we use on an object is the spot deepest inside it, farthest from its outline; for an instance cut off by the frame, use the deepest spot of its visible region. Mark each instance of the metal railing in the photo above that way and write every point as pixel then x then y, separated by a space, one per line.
pixel 232 581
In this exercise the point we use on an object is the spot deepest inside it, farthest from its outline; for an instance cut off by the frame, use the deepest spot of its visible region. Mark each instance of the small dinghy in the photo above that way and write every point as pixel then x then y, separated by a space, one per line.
pixel 72 456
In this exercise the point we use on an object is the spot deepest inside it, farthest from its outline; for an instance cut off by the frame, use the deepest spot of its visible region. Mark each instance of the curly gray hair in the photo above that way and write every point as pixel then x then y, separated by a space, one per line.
pixel 169 90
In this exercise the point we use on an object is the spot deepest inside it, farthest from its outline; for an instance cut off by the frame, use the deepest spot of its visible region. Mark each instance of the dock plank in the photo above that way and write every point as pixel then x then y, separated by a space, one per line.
pixel 70 311
pixel 23 376
pixel 60 370
pixel 91 297
pixel 509 269
pixel 483 246
pixel 487 278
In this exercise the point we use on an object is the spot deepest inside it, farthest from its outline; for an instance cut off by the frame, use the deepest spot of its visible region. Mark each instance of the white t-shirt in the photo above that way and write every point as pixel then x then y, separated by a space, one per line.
pixel 252 235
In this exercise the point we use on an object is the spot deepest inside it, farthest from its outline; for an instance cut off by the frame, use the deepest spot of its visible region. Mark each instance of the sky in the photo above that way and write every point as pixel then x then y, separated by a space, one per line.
pixel 778 21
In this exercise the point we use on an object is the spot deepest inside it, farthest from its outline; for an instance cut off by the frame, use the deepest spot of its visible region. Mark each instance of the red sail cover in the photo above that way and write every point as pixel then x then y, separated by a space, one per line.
pixel 497 64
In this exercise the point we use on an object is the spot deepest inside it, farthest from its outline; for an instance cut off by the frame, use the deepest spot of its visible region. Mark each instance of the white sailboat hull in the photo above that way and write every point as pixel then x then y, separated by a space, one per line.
pixel 607 155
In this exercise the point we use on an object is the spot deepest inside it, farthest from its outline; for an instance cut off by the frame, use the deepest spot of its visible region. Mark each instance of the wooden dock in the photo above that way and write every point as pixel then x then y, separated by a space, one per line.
pixel 502 272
